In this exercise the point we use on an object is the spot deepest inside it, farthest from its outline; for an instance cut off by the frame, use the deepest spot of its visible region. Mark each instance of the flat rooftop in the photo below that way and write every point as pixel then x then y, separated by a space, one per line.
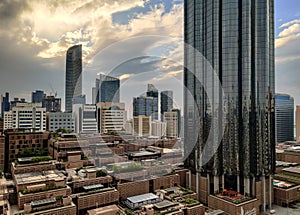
pixel 165 204
pixel 142 198
pixel 292 170
pixel 41 176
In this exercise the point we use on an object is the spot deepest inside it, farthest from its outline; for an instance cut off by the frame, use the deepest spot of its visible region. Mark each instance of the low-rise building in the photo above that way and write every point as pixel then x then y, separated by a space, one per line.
pixel 59 120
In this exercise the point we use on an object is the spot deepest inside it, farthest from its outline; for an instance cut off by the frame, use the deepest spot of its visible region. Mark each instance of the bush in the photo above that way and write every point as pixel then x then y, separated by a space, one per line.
pixel 101 173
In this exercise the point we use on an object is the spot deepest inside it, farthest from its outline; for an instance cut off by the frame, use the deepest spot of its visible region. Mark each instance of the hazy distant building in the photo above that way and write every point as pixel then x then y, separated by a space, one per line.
pixel 107 89
pixel 15 101
pixel 5 105
pixel 298 123
pixel 73 75
pixel 26 116
pixel 57 120
pixel 37 96
pixel 52 104
pixel 166 101
pixel 143 105
pixel 179 121
pixel 1 99
pixel 284 117
pixel 142 125
pixel 158 128
pixel 111 117
pixel 128 126
pixel 85 118
pixel 171 119
pixel 153 92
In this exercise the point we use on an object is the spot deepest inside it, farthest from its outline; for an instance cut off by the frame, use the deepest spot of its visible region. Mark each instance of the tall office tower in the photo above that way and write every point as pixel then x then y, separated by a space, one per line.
pixel 110 116
pixel 171 118
pixel 143 106
pixel 284 117
pixel 166 101
pixel 142 125
pixel 37 96
pixel 107 89
pixel 158 128
pixel 153 92
pixel 236 39
pixel 298 123
pixel 5 105
pixel 179 120
pixel 73 75
pixel 52 104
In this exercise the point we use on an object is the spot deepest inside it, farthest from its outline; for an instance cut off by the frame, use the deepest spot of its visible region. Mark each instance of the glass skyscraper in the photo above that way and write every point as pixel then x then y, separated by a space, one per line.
pixel 166 101
pixel 73 75
pixel 37 96
pixel 153 92
pixel 284 115
pixel 143 106
pixel 107 89
pixel 236 38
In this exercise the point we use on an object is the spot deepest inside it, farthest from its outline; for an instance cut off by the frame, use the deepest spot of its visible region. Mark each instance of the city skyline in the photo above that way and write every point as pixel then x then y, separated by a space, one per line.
pixel 44 61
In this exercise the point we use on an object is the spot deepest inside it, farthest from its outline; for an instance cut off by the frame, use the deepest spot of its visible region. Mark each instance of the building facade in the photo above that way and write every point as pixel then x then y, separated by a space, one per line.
pixel 52 104
pixel 236 39
pixel 5 105
pixel 57 120
pixel 85 118
pixel 107 89
pixel 153 92
pixel 297 123
pixel 158 128
pixel 111 117
pixel 73 75
pixel 166 101
pixel 171 119
pixel 142 125
pixel 37 96
pixel 143 106
pixel 26 116
pixel 284 115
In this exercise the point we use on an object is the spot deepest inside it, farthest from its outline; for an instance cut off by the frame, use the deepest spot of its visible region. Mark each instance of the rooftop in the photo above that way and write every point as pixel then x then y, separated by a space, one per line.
pixel 292 170
pixel 165 204
pixel 142 198
pixel 41 176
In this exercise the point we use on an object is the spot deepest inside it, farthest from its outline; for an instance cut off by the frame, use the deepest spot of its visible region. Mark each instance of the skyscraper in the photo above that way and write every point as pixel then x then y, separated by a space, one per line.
pixel 5 104
pixel 166 101
pixel 143 106
pixel 236 39
pixel 298 123
pixel 107 89
pixel 37 96
pixel 153 92
pixel 284 115
pixel 73 75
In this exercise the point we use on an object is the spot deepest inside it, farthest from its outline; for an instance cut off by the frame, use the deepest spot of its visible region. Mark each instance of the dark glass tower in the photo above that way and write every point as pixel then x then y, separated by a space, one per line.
pixel 153 92
pixel 166 101
pixel 284 114
pixel 143 106
pixel 73 75
pixel 236 37
pixel 107 89
pixel 37 96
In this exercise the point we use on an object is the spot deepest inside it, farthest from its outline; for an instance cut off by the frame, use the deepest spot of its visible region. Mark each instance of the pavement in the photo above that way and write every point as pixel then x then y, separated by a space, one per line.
pixel 293 209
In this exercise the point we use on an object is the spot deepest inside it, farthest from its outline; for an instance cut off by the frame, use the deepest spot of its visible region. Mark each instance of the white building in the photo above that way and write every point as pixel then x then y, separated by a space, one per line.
pixel 158 128
pixel 85 118
pixel 128 126
pixel 111 116
pixel 142 125
pixel 26 116
pixel 56 120
pixel 171 118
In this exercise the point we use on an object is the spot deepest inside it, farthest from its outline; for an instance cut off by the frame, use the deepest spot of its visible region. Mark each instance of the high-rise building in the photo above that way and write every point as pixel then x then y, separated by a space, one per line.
pixel 26 116
pixel 158 128
pixel 5 104
pixel 284 117
pixel 171 118
pixel 166 101
pixel 37 96
pixel 179 120
pixel 298 123
pixel 52 104
pixel 85 118
pixel 236 39
pixel 143 106
pixel 142 125
pixel 107 89
pixel 153 92
pixel 73 75
pixel 111 117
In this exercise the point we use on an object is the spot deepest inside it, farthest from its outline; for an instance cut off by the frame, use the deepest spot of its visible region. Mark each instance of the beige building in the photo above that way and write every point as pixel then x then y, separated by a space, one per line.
pixel 158 128
pixel 171 118
pixel 111 116
pixel 142 125
pixel 298 123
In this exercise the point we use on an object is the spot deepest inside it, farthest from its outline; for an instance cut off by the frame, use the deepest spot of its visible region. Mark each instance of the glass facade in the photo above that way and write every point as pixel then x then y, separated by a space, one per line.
pixel 153 92
pixel 73 75
pixel 284 115
pixel 166 101
pixel 143 106
pixel 107 89
pixel 236 38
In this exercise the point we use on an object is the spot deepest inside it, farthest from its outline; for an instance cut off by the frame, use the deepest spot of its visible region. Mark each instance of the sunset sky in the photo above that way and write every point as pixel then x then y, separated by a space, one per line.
pixel 139 41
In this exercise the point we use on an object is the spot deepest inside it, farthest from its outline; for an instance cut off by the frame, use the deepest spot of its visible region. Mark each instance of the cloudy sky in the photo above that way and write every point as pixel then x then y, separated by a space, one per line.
pixel 137 40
